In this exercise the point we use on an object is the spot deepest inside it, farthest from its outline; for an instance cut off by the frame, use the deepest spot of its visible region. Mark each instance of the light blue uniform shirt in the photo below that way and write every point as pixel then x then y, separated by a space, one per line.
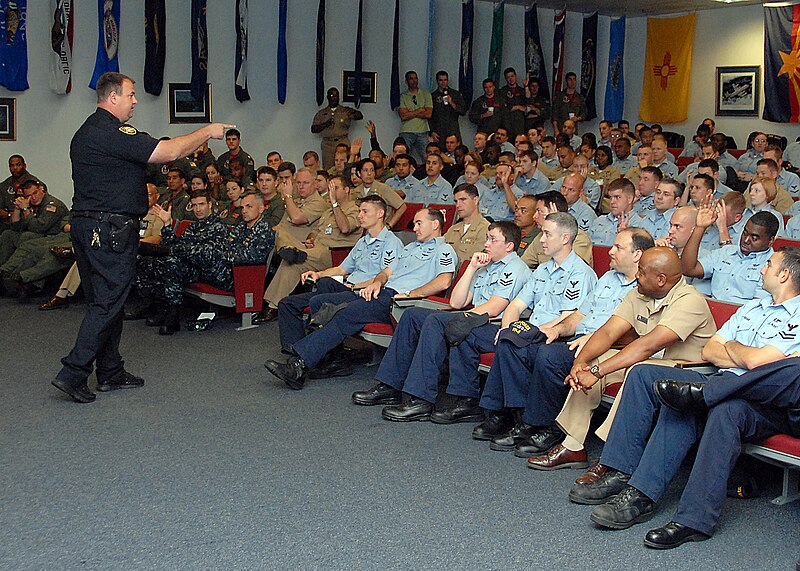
pixel 692 150
pixel 551 162
pixel 734 277
pixel 440 192
pixel 600 305
pixel 504 278
pixel 726 160
pixel 583 213
pixel 669 169
pixel 691 169
pixel 419 263
pixel 644 206
pixel 747 162
pixel 776 214
pixel 482 183
pixel 553 290
pixel 735 230
pixel 371 255
pixel 537 184
pixel 603 230
pixel 590 188
pixel 626 164
pixel 790 182
pixel 793 227
pixel 575 142
pixel 493 203
pixel 656 224
pixel 409 185
pixel 760 322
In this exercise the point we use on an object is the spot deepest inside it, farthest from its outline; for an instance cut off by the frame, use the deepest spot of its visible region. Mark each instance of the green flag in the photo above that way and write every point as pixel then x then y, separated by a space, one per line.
pixel 496 47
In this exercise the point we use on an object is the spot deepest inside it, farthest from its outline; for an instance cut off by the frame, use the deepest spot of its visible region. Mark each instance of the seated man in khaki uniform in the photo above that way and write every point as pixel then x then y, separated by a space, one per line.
pixel 547 203
pixel 307 233
pixel 469 234
pixel 668 319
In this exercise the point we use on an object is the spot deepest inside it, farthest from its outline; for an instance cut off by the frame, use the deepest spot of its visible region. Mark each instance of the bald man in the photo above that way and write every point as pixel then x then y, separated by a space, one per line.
pixel 663 319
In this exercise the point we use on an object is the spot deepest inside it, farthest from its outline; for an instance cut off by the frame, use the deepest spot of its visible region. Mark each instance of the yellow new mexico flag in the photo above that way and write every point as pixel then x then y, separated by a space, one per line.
pixel 667 68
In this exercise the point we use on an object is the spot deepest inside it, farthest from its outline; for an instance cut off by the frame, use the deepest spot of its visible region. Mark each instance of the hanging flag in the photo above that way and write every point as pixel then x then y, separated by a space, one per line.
pixel 320 76
pixel 560 25
pixel 240 73
pixel 199 49
pixel 283 61
pixel 589 64
pixel 394 88
pixel 615 84
pixel 534 57
pixel 155 45
pixel 782 64
pixel 359 61
pixel 465 60
pixel 496 46
pixel 107 39
pixel 61 42
pixel 429 62
pixel 667 68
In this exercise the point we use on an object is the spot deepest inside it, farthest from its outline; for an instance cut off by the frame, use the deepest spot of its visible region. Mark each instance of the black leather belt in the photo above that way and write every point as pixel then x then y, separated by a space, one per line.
pixel 105 216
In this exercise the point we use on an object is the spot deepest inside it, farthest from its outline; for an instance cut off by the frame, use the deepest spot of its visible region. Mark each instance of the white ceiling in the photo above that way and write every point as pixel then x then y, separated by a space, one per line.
pixel 631 7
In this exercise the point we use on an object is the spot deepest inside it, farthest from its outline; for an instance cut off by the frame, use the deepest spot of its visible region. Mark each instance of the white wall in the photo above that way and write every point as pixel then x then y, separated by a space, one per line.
pixel 46 122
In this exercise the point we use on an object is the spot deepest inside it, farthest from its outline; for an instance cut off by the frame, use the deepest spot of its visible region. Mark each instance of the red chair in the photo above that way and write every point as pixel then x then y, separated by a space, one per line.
pixel 675 151
pixel 406 221
pixel 721 311
pixel 449 213
pixel 785 242
pixel 601 259
pixel 784 451
pixel 338 255
pixel 736 153
pixel 684 162
pixel 181 227
pixel 247 295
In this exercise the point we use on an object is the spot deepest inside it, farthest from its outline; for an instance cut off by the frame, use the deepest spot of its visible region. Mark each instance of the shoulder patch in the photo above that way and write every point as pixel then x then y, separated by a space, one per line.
pixel 128 130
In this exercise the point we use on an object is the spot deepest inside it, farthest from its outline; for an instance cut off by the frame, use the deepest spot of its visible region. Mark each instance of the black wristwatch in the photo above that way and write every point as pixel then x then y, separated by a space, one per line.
pixel 595 370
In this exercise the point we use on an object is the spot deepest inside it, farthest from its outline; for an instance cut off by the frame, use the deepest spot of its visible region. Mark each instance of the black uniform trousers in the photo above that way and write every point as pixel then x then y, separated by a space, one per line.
pixel 107 277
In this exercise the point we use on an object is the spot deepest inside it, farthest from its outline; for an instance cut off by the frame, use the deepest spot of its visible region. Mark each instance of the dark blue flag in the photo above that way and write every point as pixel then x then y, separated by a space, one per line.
pixel 589 64
pixel 615 84
pixel 107 38
pixel 240 73
pixel 781 67
pixel 394 89
pixel 283 62
pixel 199 49
pixel 155 45
pixel 559 29
pixel 534 57
pixel 359 59
pixel 465 61
pixel 321 52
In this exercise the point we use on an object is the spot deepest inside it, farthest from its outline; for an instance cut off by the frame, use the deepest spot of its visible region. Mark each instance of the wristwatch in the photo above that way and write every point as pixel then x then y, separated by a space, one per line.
pixel 595 370
pixel 334 205
pixel 726 243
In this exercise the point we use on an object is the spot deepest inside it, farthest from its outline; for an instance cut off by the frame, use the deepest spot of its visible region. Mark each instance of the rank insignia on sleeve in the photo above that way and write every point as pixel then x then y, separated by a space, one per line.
pixel 572 294
pixel 128 130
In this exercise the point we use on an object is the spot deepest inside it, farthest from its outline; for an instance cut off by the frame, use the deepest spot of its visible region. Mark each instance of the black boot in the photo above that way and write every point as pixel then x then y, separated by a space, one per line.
pixel 172 320
pixel 156 319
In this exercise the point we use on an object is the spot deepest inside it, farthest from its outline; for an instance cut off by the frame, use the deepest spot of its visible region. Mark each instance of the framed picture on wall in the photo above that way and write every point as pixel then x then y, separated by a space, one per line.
pixel 8 119
pixel 183 108
pixel 369 90
pixel 738 90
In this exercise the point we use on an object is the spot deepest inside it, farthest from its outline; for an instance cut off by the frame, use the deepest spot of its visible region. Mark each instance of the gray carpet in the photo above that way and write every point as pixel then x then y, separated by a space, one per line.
pixel 214 464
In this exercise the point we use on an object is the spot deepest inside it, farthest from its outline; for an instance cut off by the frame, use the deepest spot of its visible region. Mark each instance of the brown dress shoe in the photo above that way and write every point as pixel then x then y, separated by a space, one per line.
pixel 265 315
pixel 55 303
pixel 559 457
pixel 594 473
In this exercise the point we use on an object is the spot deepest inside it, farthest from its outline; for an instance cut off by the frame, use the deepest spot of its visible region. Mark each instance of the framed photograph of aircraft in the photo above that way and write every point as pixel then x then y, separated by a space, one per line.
pixel 738 91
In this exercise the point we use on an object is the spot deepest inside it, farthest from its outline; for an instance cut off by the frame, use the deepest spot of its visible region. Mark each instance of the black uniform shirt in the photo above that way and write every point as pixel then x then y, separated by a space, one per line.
pixel 109 166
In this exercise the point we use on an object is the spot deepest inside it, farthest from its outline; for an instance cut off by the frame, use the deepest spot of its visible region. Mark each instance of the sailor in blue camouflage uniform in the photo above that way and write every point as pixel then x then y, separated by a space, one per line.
pixel 373 252
pixel 419 347
pixel 424 267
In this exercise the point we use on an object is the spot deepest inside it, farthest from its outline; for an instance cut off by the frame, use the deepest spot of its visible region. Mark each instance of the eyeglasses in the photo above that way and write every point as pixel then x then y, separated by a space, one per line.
pixel 754 140
pixel 414 99
pixel 494 239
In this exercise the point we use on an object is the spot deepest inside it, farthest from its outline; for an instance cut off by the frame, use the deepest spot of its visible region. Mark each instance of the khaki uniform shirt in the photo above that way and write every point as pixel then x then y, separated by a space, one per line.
pixel 153 227
pixel 535 256
pixel 313 207
pixel 386 192
pixel 329 234
pixel 467 243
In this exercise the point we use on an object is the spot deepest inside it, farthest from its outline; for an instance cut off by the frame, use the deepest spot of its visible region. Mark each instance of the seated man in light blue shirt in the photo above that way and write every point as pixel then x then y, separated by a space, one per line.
pixel 433 189
pixel 572 189
pixel 694 148
pixel 623 159
pixel 499 201
pixel 591 189
pixel 734 270
pixel 530 179
pixel 666 199
pixel 603 230
pixel 649 177
pixel 788 180
pixel 661 157
pixel 403 180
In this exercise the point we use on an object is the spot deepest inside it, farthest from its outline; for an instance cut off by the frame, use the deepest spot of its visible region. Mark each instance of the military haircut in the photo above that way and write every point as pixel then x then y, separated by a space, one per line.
pixel 766 220
pixel 553 198
pixel 708 181
pixel 676 184
pixel 177 170
pixel 791 263
pixel 202 193
pixel 509 230
pixel 640 239
pixel 734 201
pixel 709 164
pixel 360 164
pixel 436 215
pixel 109 82
pixel 623 184
pixel 530 153
pixel 655 171
pixel 470 189
pixel 266 170
pixel 311 154
pixel 234 132
pixel 287 166
pixel 374 199
pixel 769 163
pixel 565 223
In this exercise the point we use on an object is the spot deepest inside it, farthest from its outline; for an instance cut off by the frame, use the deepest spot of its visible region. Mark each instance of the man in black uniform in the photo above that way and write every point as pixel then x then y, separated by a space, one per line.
pixel 109 166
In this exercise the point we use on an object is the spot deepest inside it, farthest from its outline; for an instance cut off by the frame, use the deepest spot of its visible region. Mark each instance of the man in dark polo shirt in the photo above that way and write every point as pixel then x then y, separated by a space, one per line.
pixel 109 167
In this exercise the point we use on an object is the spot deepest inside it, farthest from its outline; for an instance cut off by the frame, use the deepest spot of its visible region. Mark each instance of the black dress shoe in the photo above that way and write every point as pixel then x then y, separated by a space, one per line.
pixel 508 441
pixel 55 302
pixel 293 372
pixel 265 315
pixel 172 321
pixel 122 380
pixel 142 311
pixel 292 255
pixel 625 509
pixel 681 396
pixel 542 440
pixel 78 393
pixel 497 422
pixel 157 318
pixel 465 409
pixel 381 393
pixel 414 409
pixel 331 370
pixel 674 534
pixel 599 492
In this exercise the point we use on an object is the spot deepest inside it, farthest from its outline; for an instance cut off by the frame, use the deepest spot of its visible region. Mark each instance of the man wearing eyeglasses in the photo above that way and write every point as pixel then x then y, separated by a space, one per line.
pixel 416 107
pixel 746 164
pixel 35 214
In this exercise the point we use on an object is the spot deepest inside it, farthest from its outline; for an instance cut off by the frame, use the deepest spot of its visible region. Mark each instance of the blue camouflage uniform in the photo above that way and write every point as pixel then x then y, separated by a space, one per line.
pixel 440 192
pixel 416 265
pixel 416 371
pixel 366 260
pixel 735 278
pixel 654 462
pixel 493 203
pixel 657 224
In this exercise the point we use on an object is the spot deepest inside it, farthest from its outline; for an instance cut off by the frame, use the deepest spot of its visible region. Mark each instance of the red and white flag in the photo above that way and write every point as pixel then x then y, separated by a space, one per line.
pixel 61 44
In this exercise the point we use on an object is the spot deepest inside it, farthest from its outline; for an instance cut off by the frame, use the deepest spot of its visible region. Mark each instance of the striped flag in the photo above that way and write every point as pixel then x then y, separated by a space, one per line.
pixel 283 60
pixel 394 88
pixel 496 46
pixel 534 57
pixel 199 49
pixel 615 84
pixel 61 33
pixel 359 59
pixel 240 73
pixel 782 64
pixel 155 45
pixel 589 65
pixel 320 75
pixel 560 25
pixel 107 38
pixel 465 60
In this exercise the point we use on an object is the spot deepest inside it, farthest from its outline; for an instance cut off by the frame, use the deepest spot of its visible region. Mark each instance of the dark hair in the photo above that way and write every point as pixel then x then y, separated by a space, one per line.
pixel 766 220
pixel 676 184
pixel 709 181
pixel 345 180
pixel 607 150
pixel 20 157
pixel 404 156
pixel 236 160
pixel 269 154
pixel 509 155
pixel 233 132
pixel 530 153
pixel 436 215
pixel 487 80
pixel 314 154
pixel 623 184
pixel 177 170
pixel 108 82
pixel 201 176
pixel 202 193
pixel 470 189
pixel 554 198
pixel 231 179
pixel 709 164
pixel 549 139
pixel 791 262
pixel 287 166
pixel 509 230
pixel 769 163
pixel 509 69
pixel 360 164
pixel 325 174
pixel 409 72
pixel 373 199
pixel 655 171
pixel 266 170
pixel 640 239
pixel 570 74
pixel 703 129
pixel 440 73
